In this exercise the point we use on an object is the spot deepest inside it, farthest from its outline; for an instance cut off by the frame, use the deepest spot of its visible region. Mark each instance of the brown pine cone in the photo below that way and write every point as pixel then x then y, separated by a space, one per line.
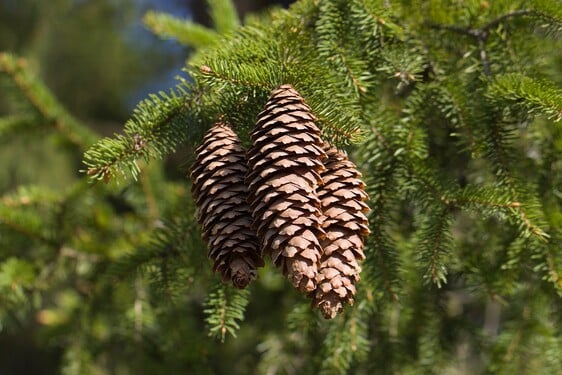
pixel 342 197
pixel 285 163
pixel 222 208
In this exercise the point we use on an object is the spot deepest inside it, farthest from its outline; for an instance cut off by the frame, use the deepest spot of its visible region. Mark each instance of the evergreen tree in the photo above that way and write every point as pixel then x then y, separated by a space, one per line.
pixel 450 110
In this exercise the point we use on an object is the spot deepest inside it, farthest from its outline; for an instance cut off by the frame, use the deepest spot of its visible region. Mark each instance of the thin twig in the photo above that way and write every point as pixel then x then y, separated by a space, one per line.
pixel 484 57
pixel 492 24
pixel 481 34
pixel 453 28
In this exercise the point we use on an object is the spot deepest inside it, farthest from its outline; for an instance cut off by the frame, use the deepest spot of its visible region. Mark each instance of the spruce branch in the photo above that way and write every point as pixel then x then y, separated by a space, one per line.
pixel 434 246
pixel 381 16
pixel 27 224
pixel 169 242
pixel 505 17
pixel 157 127
pixel 463 189
pixel 553 267
pixel 346 341
pixel 536 95
pixel 499 203
pixel 340 127
pixel 355 80
pixel 518 348
pixel 481 34
pixel 183 31
pixel 218 73
pixel 251 59
pixel 385 260
pixel 17 124
pixel 458 110
pixel 382 164
pixel 129 265
pixel 224 16
pixel 333 44
pixel 21 212
pixel 497 141
pixel 44 102
pixel 24 229
pixel 303 320
pixel 28 195
pixel 224 308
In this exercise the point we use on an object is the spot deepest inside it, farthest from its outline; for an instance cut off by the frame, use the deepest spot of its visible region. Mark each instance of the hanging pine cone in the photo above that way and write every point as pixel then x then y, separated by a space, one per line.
pixel 222 209
pixel 342 197
pixel 285 163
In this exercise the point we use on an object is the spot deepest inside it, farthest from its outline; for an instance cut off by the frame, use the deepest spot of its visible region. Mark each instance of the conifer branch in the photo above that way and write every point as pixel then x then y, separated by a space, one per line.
pixel 498 152
pixel 26 225
pixel 19 214
pixel 17 124
pixel 129 265
pixel 482 199
pixel 24 230
pixel 554 275
pixel 462 115
pixel 496 22
pixel 378 236
pixel 333 33
pixel 481 34
pixel 29 195
pixel 167 242
pixel 156 128
pixel 150 199
pixel 379 188
pixel 434 246
pixel 221 75
pixel 184 31
pixel 479 221
pixel 435 268
pixel 536 95
pixel 346 341
pixel 339 136
pixel 224 15
pixel 44 102
pixel 356 83
pixel 224 308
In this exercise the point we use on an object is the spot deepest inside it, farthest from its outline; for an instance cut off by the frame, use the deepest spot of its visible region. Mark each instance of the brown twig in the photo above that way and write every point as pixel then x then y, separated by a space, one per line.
pixel 481 34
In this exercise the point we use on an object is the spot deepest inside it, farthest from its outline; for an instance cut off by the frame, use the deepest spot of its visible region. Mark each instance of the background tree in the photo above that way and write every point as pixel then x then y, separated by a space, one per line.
pixel 450 110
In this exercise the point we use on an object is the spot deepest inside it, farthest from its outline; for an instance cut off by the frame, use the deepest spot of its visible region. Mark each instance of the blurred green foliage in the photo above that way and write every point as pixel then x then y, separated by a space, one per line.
pixel 83 53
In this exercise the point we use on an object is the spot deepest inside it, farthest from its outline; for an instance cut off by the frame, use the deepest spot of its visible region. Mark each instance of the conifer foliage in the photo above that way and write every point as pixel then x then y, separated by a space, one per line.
pixel 222 209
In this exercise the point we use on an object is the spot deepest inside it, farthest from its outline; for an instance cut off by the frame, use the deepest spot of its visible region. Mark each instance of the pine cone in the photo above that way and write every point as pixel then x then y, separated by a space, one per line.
pixel 346 225
pixel 285 163
pixel 222 209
